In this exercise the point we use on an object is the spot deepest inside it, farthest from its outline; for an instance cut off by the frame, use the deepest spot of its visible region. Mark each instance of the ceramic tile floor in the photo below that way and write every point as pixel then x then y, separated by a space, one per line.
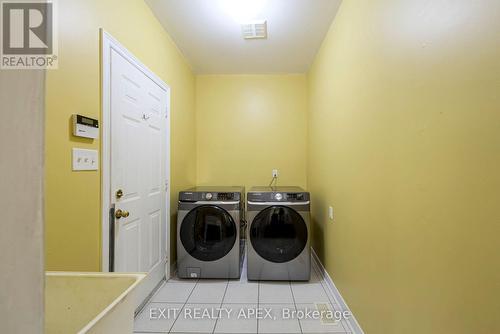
pixel 222 306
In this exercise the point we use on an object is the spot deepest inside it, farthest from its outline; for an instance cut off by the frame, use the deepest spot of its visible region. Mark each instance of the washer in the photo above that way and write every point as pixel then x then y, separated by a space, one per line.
pixel 209 224
pixel 278 233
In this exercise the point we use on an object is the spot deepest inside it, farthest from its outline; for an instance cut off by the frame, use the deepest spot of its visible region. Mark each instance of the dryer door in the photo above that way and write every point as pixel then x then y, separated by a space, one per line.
pixel 208 233
pixel 278 234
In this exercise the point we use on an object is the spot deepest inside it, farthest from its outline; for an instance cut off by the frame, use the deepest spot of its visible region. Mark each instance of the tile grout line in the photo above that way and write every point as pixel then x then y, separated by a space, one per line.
pixel 182 308
pixel 345 325
pixel 295 305
pixel 258 305
pixel 220 306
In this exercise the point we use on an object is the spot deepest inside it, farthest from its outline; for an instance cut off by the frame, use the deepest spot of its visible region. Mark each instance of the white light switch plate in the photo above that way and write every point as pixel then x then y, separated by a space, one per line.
pixel 85 159
pixel 330 213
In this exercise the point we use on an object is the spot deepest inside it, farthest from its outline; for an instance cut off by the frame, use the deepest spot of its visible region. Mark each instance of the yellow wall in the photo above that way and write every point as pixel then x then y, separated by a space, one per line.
pixel 249 124
pixel 72 198
pixel 404 141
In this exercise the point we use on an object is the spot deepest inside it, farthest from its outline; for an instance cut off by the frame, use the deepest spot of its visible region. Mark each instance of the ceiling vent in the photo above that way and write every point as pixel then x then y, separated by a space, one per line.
pixel 254 30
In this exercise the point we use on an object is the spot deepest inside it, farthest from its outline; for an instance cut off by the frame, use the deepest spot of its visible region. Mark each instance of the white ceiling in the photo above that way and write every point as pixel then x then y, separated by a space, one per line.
pixel 212 42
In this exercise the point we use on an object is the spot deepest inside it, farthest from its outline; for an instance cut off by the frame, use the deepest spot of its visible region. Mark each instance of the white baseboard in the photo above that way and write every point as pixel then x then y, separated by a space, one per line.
pixel 146 300
pixel 353 323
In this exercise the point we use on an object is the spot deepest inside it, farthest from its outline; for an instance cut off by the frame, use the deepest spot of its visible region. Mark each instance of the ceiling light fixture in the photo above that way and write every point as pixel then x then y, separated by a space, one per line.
pixel 242 10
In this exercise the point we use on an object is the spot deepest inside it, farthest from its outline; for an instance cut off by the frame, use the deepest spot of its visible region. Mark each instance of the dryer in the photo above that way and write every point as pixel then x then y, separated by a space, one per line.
pixel 209 223
pixel 278 234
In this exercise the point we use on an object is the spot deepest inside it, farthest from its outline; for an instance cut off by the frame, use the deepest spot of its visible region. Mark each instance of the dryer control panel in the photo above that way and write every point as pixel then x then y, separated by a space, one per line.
pixel 196 196
pixel 275 194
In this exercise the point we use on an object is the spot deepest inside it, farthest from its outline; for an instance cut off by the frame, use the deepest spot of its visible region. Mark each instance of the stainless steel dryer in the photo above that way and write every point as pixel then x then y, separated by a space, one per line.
pixel 278 234
pixel 209 243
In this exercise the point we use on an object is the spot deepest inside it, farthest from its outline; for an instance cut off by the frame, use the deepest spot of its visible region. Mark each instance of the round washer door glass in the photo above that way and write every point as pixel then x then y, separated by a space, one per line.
pixel 278 234
pixel 208 233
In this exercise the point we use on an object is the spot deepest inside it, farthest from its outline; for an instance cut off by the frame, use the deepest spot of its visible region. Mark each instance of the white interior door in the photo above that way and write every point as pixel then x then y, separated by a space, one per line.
pixel 138 160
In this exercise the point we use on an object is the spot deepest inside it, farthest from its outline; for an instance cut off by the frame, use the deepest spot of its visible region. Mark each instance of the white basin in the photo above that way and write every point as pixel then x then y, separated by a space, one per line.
pixel 94 303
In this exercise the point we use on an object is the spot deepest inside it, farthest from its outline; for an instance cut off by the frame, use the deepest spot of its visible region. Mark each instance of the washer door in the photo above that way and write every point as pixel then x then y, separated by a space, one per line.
pixel 278 234
pixel 208 233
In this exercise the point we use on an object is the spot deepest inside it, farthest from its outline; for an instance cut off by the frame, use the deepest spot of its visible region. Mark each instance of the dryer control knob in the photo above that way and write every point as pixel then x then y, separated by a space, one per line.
pixel 278 197
pixel 208 196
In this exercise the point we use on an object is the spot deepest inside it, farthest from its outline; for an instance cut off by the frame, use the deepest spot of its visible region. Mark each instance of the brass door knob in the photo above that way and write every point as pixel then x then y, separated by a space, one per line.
pixel 121 214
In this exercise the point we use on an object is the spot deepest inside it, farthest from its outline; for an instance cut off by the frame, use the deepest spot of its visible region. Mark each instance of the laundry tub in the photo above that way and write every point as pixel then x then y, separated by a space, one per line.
pixel 97 303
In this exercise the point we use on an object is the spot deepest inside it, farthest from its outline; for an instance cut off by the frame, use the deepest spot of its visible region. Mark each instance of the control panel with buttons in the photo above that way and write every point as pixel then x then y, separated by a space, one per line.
pixel 273 196
pixel 197 194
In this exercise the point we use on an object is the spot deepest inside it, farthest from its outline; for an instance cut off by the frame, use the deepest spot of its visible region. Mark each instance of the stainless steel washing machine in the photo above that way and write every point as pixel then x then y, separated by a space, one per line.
pixel 278 234
pixel 209 230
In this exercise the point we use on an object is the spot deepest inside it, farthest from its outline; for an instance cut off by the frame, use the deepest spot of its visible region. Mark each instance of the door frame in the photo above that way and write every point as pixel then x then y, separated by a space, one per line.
pixel 109 43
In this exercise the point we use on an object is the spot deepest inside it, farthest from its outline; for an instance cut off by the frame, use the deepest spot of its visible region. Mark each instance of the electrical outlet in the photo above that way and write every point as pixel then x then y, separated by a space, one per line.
pixel 275 173
pixel 330 213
